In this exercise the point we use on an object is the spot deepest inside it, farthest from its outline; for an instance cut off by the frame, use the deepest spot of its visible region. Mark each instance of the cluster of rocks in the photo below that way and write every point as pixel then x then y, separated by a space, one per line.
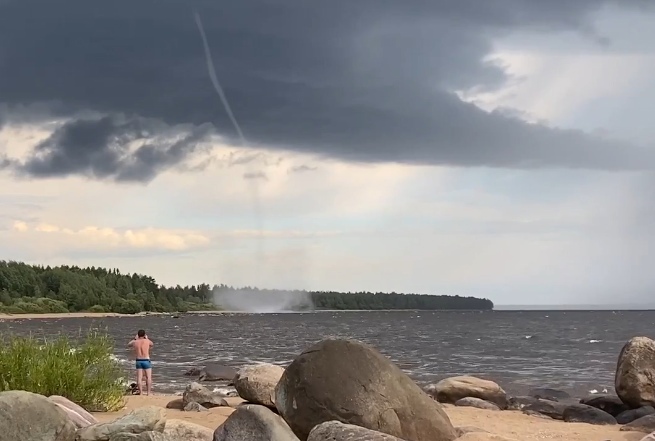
pixel 197 398
pixel 339 390
pixel 25 416
pixel 632 406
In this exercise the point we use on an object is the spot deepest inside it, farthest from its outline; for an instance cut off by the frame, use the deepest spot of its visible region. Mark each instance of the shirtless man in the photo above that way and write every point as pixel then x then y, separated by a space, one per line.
pixel 141 345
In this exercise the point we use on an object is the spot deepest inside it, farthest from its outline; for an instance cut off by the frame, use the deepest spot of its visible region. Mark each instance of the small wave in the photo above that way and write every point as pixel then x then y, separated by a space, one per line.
pixel 595 341
pixel 595 391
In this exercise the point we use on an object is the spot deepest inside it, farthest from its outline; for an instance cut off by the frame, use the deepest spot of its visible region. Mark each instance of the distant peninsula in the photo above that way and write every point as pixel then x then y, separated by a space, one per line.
pixel 36 289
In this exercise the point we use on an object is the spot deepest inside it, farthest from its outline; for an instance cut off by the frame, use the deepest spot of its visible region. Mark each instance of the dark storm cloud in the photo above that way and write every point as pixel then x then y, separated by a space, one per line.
pixel 366 80
pixel 105 148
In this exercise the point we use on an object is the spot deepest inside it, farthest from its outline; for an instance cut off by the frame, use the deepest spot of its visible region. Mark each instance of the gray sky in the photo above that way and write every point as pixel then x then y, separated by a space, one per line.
pixel 500 149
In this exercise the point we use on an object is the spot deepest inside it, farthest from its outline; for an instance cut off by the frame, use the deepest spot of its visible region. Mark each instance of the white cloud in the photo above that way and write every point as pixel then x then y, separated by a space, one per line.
pixel 44 235
pixel 552 87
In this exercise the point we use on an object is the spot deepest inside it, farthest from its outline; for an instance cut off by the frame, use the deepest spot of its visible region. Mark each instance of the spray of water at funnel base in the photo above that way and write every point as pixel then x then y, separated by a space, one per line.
pixel 262 301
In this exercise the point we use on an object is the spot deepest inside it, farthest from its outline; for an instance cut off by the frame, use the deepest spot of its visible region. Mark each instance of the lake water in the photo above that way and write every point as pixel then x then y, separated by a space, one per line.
pixel 571 350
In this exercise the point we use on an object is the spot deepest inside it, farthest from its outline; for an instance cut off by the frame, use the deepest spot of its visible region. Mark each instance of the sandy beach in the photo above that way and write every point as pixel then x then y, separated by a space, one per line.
pixel 70 315
pixel 510 424
pixel 65 315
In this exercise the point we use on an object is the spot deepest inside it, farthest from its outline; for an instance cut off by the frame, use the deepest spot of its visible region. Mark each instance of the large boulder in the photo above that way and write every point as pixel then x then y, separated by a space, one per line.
pixel 143 419
pixel 253 422
pixel 348 381
pixel 256 383
pixel 449 390
pixel 338 431
pixel 33 417
pixel 197 393
pixel 635 373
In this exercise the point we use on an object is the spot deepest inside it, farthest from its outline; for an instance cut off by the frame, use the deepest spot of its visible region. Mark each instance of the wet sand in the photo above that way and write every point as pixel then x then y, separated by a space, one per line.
pixel 510 424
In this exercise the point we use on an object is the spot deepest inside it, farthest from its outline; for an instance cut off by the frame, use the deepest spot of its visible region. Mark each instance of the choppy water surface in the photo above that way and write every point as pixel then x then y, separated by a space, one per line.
pixel 572 350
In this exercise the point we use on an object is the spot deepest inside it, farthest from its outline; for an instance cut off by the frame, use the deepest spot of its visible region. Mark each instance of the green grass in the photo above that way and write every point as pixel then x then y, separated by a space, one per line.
pixel 82 370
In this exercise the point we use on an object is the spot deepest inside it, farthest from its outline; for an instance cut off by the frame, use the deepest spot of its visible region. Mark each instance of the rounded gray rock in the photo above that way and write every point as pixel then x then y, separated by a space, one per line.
pixel 33 417
pixel 348 381
pixel 338 431
pixel 635 373
pixel 253 422
pixel 256 383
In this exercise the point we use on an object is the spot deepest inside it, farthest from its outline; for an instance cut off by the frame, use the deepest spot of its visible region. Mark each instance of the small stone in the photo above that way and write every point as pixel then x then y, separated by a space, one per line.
pixel 476 402
pixel 194 407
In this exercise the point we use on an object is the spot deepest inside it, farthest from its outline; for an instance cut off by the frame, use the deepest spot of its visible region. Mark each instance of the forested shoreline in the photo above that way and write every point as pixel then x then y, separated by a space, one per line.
pixel 37 289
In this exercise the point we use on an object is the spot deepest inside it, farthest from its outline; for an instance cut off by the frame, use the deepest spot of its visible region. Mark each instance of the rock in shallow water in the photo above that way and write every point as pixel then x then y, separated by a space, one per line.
pixel 451 389
pixel 256 383
pixel 351 382
pixel 254 423
pixel 33 417
pixel 635 373
pixel 338 431
pixel 217 372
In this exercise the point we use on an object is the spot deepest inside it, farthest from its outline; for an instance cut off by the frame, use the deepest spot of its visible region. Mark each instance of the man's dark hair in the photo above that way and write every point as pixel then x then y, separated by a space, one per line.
pixel 141 333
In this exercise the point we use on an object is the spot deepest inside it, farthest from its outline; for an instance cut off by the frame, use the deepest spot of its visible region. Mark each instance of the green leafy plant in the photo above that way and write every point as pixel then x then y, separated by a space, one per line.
pixel 84 370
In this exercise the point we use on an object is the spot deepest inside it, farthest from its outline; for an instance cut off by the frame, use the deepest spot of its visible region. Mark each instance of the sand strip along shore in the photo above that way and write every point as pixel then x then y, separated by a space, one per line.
pixel 510 424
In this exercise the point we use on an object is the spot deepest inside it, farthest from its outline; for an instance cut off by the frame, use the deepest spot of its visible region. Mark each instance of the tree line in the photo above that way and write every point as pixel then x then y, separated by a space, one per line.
pixel 28 288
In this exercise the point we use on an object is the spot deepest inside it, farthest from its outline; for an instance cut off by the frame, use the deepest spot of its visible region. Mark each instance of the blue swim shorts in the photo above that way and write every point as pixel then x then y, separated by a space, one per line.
pixel 143 364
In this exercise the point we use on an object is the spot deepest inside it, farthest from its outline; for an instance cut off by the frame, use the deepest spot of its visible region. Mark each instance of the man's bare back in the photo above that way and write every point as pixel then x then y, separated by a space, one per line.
pixel 141 348
pixel 141 345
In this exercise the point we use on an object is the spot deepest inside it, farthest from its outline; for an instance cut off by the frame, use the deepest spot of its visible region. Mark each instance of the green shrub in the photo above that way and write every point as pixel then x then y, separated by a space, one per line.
pixel 97 308
pixel 12 309
pixel 51 305
pixel 85 371
pixel 127 307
